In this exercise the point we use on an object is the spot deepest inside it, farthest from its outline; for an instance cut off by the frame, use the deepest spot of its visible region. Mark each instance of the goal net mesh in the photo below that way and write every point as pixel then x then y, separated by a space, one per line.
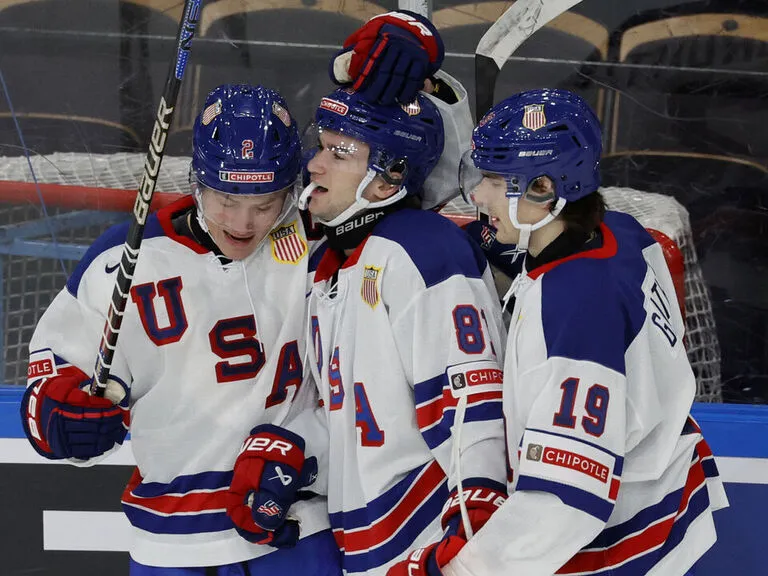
pixel 83 194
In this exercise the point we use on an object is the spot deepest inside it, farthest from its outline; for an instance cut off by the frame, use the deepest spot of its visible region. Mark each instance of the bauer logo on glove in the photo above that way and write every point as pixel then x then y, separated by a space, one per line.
pixel 268 474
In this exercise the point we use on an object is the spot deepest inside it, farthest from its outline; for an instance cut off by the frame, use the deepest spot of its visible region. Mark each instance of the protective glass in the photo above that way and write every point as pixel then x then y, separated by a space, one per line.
pixel 348 145
pixel 241 213
pixel 538 190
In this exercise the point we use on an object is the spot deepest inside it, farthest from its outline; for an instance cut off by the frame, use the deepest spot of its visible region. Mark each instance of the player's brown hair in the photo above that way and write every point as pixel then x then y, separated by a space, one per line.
pixel 584 214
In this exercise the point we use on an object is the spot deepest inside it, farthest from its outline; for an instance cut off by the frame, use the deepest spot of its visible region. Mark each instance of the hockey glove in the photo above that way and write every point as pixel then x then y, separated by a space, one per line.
pixel 389 57
pixel 481 502
pixel 62 420
pixel 269 472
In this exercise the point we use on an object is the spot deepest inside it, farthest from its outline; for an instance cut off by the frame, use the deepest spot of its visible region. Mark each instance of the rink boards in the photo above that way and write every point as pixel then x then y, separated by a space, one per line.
pixel 63 520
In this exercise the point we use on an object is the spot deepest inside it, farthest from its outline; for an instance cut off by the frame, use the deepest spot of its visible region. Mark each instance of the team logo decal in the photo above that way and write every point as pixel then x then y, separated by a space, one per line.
pixel 288 247
pixel 458 381
pixel 534 452
pixel 534 117
pixel 281 113
pixel 412 109
pixel 211 112
pixel 334 106
pixel 369 290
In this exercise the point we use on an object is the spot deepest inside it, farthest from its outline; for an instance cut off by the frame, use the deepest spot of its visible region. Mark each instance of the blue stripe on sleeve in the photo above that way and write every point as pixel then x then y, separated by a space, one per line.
pixel 571 496
pixel 403 539
pixel 698 503
pixel 181 524
pixel 429 389
pixel 184 484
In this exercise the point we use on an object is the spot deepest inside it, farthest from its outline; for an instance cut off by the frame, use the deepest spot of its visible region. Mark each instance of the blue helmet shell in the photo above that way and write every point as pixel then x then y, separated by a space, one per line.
pixel 413 133
pixel 537 133
pixel 245 141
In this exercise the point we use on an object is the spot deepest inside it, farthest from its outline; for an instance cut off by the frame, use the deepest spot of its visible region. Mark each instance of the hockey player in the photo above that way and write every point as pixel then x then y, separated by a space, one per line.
pixel 404 320
pixel 211 351
pixel 609 472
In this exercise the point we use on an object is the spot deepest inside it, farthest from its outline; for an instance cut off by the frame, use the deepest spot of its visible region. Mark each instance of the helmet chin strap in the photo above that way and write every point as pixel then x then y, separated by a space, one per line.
pixel 199 212
pixel 358 205
pixel 526 229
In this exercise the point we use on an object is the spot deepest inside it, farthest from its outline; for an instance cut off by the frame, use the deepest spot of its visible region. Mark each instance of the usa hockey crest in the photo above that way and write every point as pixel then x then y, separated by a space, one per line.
pixel 288 247
pixel 370 290
pixel 412 109
pixel 281 113
pixel 211 112
pixel 534 117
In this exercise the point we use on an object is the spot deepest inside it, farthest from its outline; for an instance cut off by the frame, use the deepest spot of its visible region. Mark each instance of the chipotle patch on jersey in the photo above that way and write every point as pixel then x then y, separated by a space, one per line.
pixel 42 364
pixel 480 377
pixel 288 247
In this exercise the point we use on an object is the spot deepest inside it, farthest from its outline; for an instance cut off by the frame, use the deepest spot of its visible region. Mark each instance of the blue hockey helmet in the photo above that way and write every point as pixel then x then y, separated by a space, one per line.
pixel 245 141
pixel 405 141
pixel 537 133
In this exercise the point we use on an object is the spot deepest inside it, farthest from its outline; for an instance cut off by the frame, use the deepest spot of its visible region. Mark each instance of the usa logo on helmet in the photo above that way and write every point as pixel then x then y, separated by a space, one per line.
pixel 534 117
pixel 211 112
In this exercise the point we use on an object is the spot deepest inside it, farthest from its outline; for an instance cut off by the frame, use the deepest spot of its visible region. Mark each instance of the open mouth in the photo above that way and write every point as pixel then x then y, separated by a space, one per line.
pixel 237 239
pixel 319 189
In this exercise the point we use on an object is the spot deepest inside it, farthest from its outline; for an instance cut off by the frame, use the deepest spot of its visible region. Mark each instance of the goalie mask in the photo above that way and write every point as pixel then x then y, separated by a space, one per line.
pixel 245 146
pixel 545 145
pixel 403 145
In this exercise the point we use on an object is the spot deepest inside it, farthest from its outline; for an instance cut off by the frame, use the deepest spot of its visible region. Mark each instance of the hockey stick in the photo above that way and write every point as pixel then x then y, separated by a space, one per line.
pixel 187 28
pixel 516 25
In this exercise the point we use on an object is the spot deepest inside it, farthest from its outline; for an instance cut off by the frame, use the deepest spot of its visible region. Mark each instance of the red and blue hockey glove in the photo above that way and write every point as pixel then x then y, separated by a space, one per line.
pixel 389 57
pixel 269 472
pixel 482 499
pixel 62 420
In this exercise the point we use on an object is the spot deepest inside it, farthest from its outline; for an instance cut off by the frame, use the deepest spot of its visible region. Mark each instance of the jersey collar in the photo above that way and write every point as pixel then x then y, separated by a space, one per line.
pixel 607 250
pixel 333 261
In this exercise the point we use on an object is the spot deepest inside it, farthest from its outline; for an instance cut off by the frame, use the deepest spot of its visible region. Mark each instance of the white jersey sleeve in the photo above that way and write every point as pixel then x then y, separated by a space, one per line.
pixel 609 471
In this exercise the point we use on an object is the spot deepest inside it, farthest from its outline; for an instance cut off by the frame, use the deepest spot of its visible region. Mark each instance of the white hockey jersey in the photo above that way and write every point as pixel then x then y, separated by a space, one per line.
pixel 412 309
pixel 209 351
pixel 610 474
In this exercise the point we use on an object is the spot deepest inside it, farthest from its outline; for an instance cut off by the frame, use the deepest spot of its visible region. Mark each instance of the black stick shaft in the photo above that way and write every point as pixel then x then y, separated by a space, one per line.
pixel 165 111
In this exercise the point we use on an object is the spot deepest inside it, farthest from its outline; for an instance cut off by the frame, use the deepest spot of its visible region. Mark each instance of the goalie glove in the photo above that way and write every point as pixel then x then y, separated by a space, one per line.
pixel 389 57
pixel 61 420
pixel 482 499
pixel 268 474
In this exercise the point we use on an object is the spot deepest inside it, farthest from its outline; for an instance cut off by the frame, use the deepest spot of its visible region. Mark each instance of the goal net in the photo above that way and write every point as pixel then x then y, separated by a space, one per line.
pixel 83 194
